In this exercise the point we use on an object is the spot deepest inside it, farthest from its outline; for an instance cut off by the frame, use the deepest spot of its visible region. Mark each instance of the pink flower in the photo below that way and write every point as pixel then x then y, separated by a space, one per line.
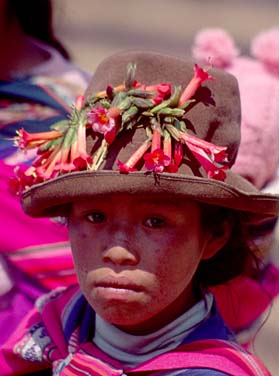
pixel 207 153
pixel 200 76
pixel 156 161
pixel 100 120
pixel 213 171
pixel 217 153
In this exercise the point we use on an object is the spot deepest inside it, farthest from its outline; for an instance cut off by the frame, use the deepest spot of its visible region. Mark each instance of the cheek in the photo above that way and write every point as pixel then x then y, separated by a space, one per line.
pixel 176 262
pixel 82 250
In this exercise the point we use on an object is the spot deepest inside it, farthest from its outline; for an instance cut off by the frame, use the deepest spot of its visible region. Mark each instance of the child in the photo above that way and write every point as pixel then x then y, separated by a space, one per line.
pixel 141 172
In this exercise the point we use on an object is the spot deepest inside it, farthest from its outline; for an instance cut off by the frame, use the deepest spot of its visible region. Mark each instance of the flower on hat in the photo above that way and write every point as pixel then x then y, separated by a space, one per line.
pixel 156 160
pixel 160 109
pixel 100 120
pixel 25 140
pixel 162 91
pixel 200 75
pixel 22 179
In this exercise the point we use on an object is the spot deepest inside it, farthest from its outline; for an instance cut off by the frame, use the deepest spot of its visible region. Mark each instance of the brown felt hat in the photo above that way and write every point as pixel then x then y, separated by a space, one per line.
pixel 212 114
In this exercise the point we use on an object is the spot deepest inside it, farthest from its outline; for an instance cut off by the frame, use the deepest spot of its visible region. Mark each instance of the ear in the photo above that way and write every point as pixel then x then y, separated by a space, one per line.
pixel 215 242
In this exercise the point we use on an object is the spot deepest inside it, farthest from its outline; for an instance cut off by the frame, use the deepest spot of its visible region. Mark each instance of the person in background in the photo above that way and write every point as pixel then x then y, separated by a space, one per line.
pixel 248 301
pixel 38 85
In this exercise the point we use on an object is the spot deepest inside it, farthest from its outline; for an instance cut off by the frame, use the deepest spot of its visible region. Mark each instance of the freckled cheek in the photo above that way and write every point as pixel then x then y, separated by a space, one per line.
pixel 174 264
pixel 85 253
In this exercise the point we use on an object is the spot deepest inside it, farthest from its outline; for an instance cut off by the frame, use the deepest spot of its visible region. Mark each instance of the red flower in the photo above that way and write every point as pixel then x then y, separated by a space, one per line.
pixel 163 91
pixel 217 153
pixel 134 159
pixel 124 168
pixel 200 76
pixel 24 177
pixel 178 153
pixel 79 156
pixel 156 161
pixel 47 169
pixel 26 140
pixel 172 168
pixel 211 169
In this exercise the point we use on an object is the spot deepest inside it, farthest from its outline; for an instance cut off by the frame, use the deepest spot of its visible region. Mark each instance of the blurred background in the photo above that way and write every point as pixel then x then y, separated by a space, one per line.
pixel 93 29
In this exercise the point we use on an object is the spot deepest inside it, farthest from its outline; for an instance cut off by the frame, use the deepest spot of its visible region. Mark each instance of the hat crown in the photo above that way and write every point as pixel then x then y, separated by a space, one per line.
pixel 215 114
pixel 207 126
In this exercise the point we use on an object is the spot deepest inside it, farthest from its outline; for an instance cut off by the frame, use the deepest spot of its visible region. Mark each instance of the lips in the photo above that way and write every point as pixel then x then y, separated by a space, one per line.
pixel 118 283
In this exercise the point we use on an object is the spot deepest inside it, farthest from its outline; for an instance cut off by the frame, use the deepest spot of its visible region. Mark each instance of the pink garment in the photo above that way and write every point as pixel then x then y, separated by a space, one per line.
pixel 38 247
pixel 258 78
pixel 35 255
pixel 258 156
pixel 41 343
pixel 19 230
pixel 243 300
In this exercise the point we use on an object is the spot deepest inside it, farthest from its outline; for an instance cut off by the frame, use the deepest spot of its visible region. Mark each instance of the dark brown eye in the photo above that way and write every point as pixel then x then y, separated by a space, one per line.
pixel 96 217
pixel 154 222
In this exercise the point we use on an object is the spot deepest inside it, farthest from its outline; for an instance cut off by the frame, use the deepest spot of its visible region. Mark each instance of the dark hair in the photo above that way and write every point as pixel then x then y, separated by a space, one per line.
pixel 238 256
pixel 35 19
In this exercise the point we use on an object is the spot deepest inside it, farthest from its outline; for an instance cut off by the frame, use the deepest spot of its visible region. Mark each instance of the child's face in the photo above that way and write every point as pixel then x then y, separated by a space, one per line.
pixel 135 257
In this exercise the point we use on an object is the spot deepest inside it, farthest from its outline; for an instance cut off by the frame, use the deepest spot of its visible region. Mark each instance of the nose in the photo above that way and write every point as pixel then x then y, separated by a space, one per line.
pixel 121 247
pixel 120 255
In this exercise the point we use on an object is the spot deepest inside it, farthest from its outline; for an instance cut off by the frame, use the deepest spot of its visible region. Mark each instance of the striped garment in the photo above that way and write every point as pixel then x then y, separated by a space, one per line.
pixel 56 336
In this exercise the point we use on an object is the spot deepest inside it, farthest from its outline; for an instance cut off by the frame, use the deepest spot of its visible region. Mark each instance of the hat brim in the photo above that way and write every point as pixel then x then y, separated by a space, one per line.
pixel 52 198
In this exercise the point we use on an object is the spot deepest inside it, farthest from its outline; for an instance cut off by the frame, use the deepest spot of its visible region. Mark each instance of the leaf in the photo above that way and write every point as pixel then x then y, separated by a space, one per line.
pixel 124 104
pixel 142 103
pixel 149 133
pixel 119 97
pixel 105 103
pixel 177 112
pixel 183 127
pixel 131 124
pixel 160 106
pixel 174 99
pixel 60 125
pixel 69 137
pixel 92 100
pixel 147 113
pixel 129 114
pixel 187 103
pixel 173 131
pixel 169 119
pixel 49 145
pixel 141 93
